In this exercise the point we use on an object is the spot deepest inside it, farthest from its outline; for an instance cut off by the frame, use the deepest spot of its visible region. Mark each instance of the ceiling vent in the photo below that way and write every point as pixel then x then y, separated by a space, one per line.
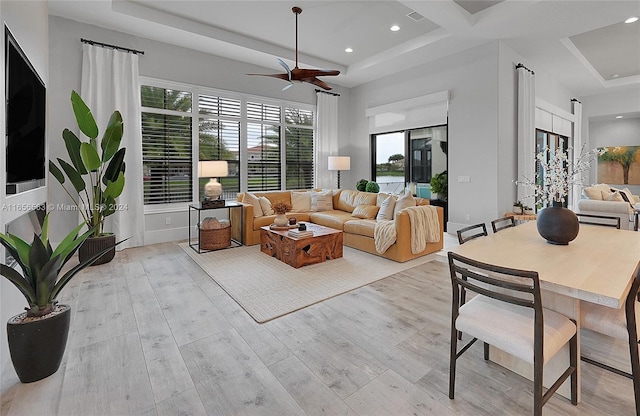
pixel 415 16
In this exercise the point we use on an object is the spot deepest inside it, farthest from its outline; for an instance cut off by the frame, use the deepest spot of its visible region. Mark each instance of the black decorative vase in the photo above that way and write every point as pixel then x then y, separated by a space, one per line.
pixel 93 245
pixel 558 225
pixel 37 346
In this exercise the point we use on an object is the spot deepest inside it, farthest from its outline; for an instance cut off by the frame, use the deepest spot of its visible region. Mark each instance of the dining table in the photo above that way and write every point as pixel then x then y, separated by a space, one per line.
pixel 597 266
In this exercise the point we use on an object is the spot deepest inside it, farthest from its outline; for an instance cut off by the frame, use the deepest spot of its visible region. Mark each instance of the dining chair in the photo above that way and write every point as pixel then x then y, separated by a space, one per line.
pixel 620 324
pixel 502 223
pixel 464 235
pixel 507 313
pixel 603 220
pixel 471 232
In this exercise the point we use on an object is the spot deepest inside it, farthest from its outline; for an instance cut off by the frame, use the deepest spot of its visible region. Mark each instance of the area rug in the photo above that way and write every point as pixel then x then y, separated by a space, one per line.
pixel 267 288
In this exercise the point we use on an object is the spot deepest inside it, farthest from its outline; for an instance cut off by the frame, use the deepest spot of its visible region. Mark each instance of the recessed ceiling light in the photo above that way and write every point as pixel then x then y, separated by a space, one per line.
pixel 348 50
pixel 394 28
pixel 631 20
pixel 618 116
pixel 615 75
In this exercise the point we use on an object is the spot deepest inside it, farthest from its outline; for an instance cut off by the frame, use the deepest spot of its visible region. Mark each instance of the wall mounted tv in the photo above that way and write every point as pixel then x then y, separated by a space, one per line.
pixel 25 120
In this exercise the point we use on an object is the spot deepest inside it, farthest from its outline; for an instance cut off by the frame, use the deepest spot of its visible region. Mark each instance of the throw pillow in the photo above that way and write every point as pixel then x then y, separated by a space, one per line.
pixel 612 196
pixel 403 202
pixel 386 209
pixel 365 211
pixel 300 201
pixel 322 201
pixel 265 204
pixel 253 200
pixel 595 191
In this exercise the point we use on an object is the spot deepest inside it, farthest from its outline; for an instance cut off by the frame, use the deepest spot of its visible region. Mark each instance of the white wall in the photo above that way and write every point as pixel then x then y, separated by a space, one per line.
pixel 161 61
pixel 28 22
pixel 600 133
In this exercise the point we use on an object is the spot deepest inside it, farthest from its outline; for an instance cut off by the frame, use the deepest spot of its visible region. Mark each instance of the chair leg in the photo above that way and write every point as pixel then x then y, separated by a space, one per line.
pixel 452 360
pixel 537 388
pixel 573 362
pixel 463 298
pixel 635 371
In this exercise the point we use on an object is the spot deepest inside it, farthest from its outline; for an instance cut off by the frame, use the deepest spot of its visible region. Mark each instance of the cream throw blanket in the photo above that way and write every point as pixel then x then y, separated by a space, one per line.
pixel 425 228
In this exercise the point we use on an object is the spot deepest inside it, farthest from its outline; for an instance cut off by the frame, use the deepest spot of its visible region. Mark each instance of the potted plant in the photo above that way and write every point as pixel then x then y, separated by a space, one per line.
pixel 439 186
pixel 372 187
pixel 96 173
pixel 362 185
pixel 38 337
pixel 281 208
pixel 517 208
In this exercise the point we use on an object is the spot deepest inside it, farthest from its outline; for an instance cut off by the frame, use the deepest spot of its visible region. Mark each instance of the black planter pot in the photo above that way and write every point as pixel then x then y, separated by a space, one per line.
pixel 37 347
pixel 94 245
pixel 558 225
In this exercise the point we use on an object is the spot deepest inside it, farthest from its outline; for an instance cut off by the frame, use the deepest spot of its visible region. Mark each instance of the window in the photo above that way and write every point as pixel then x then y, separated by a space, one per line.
pixel 554 142
pixel 268 144
pixel 219 139
pixel 166 145
pixel 263 147
pixel 299 148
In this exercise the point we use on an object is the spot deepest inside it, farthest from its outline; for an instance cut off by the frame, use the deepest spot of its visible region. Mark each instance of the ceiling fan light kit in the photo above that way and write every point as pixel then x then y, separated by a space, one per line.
pixel 298 74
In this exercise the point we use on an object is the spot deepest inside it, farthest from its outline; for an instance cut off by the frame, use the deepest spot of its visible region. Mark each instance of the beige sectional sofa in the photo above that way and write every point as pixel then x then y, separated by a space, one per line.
pixel 602 199
pixel 353 212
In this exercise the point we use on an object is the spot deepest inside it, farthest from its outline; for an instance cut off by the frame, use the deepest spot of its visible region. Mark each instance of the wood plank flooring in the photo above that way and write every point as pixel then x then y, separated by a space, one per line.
pixel 152 334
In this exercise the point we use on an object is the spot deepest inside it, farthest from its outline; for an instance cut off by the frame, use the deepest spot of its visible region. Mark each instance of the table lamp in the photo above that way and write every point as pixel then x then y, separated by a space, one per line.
pixel 213 169
pixel 339 163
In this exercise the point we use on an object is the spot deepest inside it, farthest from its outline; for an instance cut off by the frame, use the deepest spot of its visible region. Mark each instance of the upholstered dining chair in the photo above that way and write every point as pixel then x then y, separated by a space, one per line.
pixel 473 231
pixel 620 324
pixel 507 313
pixel 502 223
pixel 604 220
pixel 464 235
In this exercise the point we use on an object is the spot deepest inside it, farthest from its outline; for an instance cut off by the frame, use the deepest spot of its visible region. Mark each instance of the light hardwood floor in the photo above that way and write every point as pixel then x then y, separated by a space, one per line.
pixel 152 334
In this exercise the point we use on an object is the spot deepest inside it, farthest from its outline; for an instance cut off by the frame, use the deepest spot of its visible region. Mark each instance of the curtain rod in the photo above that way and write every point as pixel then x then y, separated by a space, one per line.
pixel 522 66
pixel 106 45
pixel 327 92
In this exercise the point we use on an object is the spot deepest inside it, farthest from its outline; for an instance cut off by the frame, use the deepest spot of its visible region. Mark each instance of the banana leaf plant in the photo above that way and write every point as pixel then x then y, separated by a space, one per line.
pixel 96 171
pixel 41 280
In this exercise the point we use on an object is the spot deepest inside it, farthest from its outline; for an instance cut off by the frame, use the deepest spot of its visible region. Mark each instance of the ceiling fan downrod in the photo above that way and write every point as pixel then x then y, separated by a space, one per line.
pixel 296 10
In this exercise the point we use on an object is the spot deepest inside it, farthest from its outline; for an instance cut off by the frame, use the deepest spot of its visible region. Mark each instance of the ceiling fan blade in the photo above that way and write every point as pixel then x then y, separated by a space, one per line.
pixel 310 73
pixel 285 66
pixel 281 76
pixel 317 82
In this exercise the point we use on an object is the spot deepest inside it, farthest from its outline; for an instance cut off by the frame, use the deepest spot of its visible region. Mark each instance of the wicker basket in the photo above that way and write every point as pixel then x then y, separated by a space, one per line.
pixel 215 239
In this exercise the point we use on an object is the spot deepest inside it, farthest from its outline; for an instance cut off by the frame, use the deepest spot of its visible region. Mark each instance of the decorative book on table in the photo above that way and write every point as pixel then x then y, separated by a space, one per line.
pixel 298 233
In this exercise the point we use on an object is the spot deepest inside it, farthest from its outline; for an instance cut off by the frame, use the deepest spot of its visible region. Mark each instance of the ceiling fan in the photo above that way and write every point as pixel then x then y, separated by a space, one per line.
pixel 301 75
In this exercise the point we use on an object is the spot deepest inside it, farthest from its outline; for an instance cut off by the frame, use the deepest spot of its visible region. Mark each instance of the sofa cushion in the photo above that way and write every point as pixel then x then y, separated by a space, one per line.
pixel 265 204
pixel 253 200
pixel 403 202
pixel 386 209
pixel 365 211
pixel 322 201
pixel 360 227
pixel 300 201
pixel 350 199
pixel 595 191
pixel 334 219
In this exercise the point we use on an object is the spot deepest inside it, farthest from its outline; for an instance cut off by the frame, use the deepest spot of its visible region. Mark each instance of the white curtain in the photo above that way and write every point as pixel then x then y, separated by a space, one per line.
pixel 577 149
pixel 110 82
pixel 526 133
pixel 326 138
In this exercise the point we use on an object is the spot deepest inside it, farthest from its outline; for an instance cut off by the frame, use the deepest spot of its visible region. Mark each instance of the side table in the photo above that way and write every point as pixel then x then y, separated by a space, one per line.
pixel 521 217
pixel 198 208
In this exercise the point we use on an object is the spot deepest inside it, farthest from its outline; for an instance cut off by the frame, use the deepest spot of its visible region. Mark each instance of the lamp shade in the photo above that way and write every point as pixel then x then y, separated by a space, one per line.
pixel 213 169
pixel 339 163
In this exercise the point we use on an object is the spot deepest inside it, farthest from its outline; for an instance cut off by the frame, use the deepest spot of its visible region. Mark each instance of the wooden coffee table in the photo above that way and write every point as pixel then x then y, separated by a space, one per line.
pixel 325 244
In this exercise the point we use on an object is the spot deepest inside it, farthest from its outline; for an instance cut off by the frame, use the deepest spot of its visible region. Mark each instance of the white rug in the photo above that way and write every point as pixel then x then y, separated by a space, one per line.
pixel 267 288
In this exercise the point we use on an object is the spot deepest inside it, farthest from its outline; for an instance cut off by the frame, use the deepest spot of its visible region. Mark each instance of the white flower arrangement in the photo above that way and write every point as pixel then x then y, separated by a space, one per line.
pixel 556 174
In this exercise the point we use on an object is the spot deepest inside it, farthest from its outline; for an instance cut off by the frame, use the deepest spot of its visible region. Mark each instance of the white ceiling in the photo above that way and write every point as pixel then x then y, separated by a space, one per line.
pixel 579 43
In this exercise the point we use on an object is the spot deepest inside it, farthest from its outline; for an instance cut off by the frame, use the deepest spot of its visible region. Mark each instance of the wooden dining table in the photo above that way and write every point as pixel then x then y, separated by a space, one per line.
pixel 596 267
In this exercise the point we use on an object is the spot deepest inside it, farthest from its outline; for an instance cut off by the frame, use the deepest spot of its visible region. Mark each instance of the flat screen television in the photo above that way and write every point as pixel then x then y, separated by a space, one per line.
pixel 25 120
